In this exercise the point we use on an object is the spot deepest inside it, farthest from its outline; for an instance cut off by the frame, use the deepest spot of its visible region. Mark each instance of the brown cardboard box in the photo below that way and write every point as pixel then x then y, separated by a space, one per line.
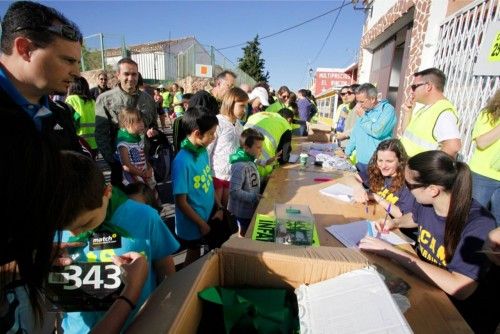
pixel 319 135
pixel 174 307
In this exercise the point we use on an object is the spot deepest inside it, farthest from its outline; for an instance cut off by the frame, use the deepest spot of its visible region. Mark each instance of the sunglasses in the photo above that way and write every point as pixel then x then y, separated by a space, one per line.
pixel 412 186
pixel 346 93
pixel 415 86
pixel 64 31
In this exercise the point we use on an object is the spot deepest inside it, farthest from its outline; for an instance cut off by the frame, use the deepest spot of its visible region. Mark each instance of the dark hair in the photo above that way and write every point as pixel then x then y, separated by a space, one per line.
pixel 28 19
pixel 438 168
pixel 85 185
pixel 140 80
pixel 126 60
pixel 31 211
pixel 249 136
pixel 302 92
pixel 286 113
pixel 283 89
pixel 80 87
pixel 434 75
pixel 198 118
pixel 376 179
pixel 204 99
pixel 345 87
pixel 222 76
pixel 139 188
pixel 353 87
pixel 187 96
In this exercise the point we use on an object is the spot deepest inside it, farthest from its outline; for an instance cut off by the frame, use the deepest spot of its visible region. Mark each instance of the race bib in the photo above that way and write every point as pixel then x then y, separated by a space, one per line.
pixel 84 286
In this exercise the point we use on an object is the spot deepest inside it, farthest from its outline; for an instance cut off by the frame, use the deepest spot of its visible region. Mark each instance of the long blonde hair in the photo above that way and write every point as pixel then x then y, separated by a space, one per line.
pixel 234 95
pixel 493 108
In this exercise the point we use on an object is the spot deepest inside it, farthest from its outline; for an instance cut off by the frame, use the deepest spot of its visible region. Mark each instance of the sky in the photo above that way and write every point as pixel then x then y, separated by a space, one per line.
pixel 288 56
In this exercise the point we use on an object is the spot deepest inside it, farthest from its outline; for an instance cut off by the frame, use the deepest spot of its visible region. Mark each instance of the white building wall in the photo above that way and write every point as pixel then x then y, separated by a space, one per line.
pixel 379 8
pixel 436 17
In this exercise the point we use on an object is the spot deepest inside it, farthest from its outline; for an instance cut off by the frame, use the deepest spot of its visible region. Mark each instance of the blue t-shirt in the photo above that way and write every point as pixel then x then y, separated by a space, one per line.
pixel 193 177
pixel 148 235
pixel 403 198
pixel 466 260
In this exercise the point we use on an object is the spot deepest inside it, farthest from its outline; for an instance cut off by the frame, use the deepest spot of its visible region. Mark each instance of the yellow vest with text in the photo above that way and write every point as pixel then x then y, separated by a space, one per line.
pixel 86 122
pixel 418 136
pixel 272 126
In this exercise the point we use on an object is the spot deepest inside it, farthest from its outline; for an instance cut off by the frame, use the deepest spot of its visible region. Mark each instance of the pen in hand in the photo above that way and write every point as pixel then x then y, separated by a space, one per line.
pixel 386 216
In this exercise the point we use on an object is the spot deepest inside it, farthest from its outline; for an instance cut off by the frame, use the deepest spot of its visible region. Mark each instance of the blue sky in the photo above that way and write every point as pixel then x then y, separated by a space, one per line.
pixel 225 23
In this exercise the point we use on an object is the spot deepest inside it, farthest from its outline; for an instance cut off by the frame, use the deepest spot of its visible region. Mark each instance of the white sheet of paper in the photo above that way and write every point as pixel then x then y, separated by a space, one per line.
pixel 356 302
pixel 350 234
pixel 339 191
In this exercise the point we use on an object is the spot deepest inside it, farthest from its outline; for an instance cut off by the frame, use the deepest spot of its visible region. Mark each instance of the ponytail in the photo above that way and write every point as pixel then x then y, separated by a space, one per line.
pixel 458 213
pixel 438 168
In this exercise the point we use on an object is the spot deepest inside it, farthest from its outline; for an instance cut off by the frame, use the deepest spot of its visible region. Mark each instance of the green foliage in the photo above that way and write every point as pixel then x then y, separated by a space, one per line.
pixel 91 59
pixel 252 62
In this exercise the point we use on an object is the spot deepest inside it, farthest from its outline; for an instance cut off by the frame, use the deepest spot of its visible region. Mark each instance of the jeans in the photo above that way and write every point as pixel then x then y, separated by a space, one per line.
pixel 487 192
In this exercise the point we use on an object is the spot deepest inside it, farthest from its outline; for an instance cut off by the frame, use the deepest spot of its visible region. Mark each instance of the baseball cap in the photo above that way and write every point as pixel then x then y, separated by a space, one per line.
pixel 160 86
pixel 261 93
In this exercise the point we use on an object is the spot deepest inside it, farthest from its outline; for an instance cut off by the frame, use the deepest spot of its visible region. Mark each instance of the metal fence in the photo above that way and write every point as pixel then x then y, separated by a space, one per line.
pixel 460 42
pixel 157 66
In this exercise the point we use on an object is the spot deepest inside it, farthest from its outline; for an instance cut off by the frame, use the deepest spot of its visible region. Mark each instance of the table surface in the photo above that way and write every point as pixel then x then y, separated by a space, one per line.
pixel 431 310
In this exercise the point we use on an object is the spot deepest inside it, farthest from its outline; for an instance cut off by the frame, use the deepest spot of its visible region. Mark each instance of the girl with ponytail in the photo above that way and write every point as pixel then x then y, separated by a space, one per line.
pixel 452 229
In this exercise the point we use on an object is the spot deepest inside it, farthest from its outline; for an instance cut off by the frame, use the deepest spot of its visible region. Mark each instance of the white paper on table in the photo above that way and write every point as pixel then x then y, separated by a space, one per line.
pixel 350 234
pixel 356 302
pixel 339 191
pixel 293 158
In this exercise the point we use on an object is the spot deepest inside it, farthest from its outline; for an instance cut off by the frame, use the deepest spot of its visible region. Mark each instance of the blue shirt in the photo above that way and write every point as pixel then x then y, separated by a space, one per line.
pixel 148 235
pixel 192 177
pixel 34 111
pixel 466 259
pixel 403 198
pixel 376 125
pixel 305 108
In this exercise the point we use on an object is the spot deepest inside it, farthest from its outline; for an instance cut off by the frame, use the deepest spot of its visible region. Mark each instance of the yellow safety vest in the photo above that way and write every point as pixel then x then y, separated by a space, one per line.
pixel 167 99
pixel 272 126
pixel 418 136
pixel 86 111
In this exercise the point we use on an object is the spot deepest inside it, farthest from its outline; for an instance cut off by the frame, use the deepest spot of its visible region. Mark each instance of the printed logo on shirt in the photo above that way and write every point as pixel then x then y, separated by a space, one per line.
pixel 388 196
pixel 204 181
pixel 104 240
pixel 428 248
pixel 58 127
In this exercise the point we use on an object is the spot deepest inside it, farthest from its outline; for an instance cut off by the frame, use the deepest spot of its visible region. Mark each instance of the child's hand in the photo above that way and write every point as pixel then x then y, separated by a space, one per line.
pixel 219 215
pixel 204 229
pixel 63 257
pixel 360 196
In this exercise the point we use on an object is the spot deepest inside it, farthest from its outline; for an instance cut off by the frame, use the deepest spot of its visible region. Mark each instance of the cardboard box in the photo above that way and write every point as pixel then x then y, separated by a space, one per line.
pixel 319 136
pixel 174 307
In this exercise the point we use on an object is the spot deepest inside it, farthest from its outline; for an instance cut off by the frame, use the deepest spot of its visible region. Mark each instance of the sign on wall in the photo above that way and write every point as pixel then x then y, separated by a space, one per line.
pixel 488 59
pixel 204 71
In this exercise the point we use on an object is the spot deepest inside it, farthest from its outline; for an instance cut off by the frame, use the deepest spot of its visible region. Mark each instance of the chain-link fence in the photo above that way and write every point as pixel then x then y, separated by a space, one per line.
pixel 160 62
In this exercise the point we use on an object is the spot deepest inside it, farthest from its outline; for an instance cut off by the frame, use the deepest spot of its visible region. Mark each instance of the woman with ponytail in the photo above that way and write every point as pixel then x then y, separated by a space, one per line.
pixel 452 229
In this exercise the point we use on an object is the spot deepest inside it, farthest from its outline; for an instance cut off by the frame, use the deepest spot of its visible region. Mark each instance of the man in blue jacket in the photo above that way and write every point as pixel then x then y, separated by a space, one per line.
pixel 375 124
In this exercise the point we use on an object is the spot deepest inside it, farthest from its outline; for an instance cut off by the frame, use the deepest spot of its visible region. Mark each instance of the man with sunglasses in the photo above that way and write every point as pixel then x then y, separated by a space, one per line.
pixel 282 102
pixel 435 125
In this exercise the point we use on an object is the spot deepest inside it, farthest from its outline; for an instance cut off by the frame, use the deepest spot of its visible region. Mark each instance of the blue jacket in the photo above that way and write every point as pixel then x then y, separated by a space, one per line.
pixel 376 125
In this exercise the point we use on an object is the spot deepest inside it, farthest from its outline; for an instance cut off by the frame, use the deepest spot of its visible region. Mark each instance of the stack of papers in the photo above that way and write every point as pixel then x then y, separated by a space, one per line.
pixel 350 234
pixel 339 191
pixel 356 302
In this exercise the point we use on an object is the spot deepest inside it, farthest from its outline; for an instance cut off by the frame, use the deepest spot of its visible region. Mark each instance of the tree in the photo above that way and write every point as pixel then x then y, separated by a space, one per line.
pixel 252 63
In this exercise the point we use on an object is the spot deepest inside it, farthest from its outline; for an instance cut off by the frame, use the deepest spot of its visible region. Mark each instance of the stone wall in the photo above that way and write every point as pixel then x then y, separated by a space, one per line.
pixel 421 16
